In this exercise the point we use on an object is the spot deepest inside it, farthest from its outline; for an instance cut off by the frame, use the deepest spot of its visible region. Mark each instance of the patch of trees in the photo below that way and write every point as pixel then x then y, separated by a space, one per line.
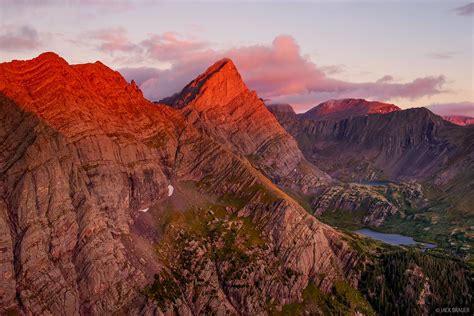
pixel 411 282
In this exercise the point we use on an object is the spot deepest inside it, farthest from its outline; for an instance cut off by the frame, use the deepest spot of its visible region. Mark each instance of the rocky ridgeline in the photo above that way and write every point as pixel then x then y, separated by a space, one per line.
pixel 345 108
pixel 85 158
pixel 459 119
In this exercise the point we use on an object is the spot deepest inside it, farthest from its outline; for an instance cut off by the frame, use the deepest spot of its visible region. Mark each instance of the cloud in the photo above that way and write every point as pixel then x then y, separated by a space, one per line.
pixel 16 38
pixel 278 71
pixel 446 109
pixel 187 58
pixel 121 3
pixel 333 69
pixel 441 55
pixel 112 40
pixel 465 10
pixel 172 47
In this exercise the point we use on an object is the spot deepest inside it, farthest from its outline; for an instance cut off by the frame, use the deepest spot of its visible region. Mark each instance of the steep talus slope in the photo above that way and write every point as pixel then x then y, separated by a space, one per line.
pixel 86 160
pixel 345 108
pixel 220 105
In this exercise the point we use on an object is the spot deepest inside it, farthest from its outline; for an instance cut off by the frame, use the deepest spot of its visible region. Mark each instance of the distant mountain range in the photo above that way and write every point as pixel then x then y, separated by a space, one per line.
pixel 207 203
pixel 459 119
pixel 396 145
pixel 344 108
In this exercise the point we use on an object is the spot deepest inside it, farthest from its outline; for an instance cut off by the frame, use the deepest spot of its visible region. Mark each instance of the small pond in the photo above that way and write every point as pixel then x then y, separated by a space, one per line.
pixel 393 239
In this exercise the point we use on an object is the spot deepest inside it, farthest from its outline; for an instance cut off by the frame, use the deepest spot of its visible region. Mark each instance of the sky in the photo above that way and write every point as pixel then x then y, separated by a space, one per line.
pixel 411 53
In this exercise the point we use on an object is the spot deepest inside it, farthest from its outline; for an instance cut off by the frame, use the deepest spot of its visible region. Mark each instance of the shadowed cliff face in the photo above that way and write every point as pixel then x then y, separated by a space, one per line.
pixel 85 170
pixel 411 144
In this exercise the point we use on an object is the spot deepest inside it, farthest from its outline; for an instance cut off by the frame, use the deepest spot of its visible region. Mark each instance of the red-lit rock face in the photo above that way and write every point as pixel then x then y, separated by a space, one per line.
pixel 49 76
pixel 459 119
pixel 79 98
pixel 226 105
pixel 340 109
pixel 219 84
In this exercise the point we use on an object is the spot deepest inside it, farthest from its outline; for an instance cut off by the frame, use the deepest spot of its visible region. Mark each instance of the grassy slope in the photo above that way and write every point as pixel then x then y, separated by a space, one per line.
pixel 193 215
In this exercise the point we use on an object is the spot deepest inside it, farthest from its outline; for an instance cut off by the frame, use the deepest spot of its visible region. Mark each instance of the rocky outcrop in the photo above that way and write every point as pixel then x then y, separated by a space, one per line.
pixel 375 202
pixel 284 113
pixel 283 108
pixel 345 108
pixel 85 169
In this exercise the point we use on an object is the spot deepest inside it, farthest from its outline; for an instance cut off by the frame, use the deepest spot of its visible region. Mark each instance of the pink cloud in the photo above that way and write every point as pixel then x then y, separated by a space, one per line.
pixel 15 38
pixel 279 72
pixel 112 40
pixel 172 47
pixel 441 55
pixel 278 69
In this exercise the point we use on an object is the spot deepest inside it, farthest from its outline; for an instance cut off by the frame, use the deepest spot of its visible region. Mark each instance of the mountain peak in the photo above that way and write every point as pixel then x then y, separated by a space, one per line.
pixel 221 81
pixel 222 64
pixel 50 87
pixel 344 108
pixel 51 56
pixel 49 59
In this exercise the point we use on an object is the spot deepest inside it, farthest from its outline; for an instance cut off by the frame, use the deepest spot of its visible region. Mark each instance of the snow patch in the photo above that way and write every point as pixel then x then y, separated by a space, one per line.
pixel 144 210
pixel 170 190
